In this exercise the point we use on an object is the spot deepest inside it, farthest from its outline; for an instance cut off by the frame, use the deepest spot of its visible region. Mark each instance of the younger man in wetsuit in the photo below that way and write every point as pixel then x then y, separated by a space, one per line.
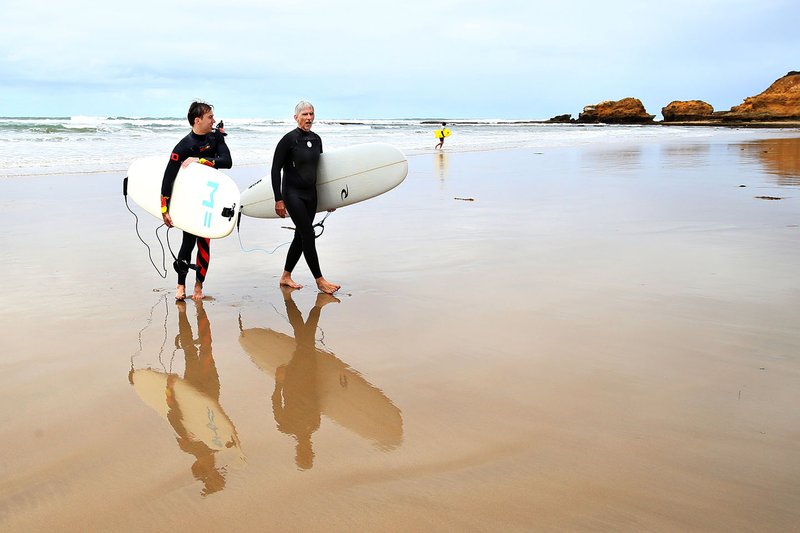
pixel 207 147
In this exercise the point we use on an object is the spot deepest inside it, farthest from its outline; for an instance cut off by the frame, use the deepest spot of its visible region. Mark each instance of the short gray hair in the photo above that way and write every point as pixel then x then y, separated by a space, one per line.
pixel 302 104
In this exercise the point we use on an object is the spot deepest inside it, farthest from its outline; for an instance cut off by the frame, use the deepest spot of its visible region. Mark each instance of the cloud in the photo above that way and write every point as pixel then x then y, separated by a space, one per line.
pixel 450 58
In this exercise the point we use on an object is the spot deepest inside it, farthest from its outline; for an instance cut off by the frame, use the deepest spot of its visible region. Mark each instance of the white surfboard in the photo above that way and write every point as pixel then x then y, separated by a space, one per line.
pixel 344 177
pixel 205 202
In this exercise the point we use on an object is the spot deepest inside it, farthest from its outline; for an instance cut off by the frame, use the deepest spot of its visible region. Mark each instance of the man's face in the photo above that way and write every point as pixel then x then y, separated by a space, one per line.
pixel 305 119
pixel 204 124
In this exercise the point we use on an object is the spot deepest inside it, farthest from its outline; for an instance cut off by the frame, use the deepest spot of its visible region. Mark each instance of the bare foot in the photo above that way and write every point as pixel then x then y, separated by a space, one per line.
pixel 180 293
pixel 198 292
pixel 287 281
pixel 326 286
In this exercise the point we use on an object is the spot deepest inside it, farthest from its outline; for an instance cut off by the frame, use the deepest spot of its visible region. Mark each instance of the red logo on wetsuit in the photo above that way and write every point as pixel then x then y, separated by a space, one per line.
pixel 204 148
pixel 174 156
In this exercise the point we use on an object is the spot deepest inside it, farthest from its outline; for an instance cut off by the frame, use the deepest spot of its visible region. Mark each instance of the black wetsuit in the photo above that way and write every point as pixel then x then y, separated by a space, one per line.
pixel 212 148
pixel 297 155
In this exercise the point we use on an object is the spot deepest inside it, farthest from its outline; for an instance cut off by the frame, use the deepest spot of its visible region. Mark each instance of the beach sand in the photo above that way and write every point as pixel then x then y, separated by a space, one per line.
pixel 599 338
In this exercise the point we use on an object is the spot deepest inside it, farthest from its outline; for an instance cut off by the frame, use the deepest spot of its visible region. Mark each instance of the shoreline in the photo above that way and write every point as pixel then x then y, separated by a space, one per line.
pixel 482 138
pixel 777 124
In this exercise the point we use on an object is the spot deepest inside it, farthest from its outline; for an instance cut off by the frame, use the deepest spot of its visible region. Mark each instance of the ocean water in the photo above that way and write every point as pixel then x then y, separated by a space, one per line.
pixel 86 144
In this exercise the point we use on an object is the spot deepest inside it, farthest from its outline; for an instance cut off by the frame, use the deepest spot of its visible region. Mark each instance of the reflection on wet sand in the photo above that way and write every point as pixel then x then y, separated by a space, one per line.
pixel 685 155
pixel 310 382
pixel 780 157
pixel 191 404
pixel 618 159
pixel 441 164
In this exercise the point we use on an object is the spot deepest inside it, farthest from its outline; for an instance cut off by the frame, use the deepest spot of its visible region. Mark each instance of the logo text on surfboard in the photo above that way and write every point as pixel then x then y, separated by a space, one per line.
pixel 213 185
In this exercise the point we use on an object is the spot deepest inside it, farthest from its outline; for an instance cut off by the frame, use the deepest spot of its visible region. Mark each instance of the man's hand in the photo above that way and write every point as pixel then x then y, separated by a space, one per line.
pixel 167 219
pixel 280 208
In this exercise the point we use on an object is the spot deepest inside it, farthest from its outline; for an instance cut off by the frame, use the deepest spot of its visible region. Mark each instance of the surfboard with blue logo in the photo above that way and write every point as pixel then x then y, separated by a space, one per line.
pixel 205 201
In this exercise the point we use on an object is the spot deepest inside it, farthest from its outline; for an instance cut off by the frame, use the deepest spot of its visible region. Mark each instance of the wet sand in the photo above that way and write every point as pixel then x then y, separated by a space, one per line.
pixel 597 338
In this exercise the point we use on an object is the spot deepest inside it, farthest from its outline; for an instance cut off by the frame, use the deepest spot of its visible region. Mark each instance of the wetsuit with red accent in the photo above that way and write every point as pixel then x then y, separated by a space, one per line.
pixel 297 156
pixel 212 148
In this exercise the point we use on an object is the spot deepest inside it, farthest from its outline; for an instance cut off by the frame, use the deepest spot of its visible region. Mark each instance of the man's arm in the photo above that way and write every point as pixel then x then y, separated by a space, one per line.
pixel 281 153
pixel 223 158
pixel 170 173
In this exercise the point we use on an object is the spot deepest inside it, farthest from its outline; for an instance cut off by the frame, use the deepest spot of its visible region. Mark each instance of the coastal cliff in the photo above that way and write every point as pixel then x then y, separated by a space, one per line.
pixel 781 101
pixel 777 106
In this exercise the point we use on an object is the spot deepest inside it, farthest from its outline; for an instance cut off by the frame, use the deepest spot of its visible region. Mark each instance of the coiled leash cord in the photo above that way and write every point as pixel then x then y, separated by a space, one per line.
pixel 320 224
pixel 177 265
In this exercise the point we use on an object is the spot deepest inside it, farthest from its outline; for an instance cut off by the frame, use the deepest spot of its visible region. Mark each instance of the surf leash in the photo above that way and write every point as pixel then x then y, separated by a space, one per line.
pixel 136 227
pixel 178 265
pixel 320 224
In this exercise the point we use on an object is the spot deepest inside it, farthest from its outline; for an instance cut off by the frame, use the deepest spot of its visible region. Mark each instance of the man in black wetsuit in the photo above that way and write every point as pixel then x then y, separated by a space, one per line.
pixel 207 147
pixel 297 156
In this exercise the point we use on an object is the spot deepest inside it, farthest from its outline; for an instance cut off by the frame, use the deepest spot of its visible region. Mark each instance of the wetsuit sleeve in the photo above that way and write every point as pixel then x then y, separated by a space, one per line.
pixel 281 153
pixel 223 158
pixel 178 155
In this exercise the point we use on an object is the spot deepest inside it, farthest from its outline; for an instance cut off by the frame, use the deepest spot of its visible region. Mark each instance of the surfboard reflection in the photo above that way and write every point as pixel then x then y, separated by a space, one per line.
pixel 310 382
pixel 191 403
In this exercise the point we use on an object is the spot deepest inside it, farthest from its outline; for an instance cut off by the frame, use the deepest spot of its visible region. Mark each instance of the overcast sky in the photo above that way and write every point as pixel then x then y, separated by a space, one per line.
pixel 525 59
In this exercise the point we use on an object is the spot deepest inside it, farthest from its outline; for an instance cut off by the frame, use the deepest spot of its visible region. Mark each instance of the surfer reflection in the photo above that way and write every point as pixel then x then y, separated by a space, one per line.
pixel 191 403
pixel 295 400
pixel 310 382
pixel 441 165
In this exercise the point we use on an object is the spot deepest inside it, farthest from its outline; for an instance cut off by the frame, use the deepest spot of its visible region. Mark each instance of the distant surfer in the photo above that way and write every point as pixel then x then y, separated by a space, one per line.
pixel 205 146
pixel 440 134
pixel 296 158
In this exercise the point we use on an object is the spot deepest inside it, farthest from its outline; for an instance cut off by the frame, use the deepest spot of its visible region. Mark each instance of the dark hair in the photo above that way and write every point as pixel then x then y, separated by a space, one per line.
pixel 444 123
pixel 197 110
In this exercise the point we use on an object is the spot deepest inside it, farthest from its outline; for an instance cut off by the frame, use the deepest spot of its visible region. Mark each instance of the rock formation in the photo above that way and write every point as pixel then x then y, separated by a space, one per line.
pixel 781 101
pixel 562 119
pixel 625 111
pixel 778 106
pixel 687 111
